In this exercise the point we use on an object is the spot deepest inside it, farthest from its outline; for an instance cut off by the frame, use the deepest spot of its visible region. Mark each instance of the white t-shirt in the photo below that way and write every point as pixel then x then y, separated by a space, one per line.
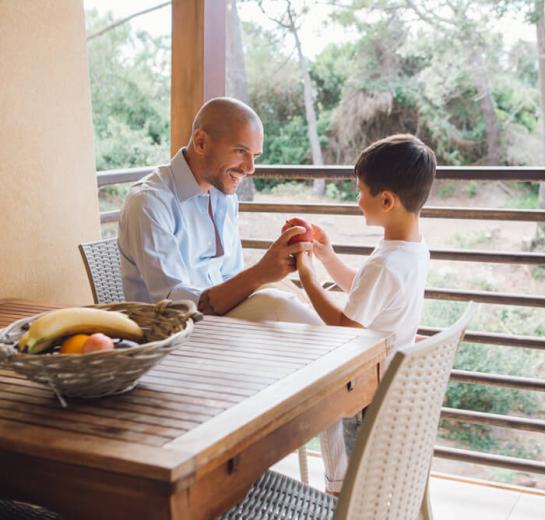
pixel 388 290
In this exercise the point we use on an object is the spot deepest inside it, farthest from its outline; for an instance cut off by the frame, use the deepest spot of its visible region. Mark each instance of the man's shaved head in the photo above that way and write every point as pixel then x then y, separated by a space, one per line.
pixel 226 139
pixel 221 116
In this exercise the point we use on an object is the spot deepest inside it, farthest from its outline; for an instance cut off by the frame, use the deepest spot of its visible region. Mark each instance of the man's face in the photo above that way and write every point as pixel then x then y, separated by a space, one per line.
pixel 230 158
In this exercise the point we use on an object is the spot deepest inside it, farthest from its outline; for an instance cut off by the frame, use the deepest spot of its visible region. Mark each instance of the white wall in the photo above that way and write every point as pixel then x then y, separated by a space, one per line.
pixel 48 195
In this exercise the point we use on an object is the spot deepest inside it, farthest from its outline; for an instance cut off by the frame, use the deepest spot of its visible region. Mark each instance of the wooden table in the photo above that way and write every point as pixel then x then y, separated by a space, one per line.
pixel 197 430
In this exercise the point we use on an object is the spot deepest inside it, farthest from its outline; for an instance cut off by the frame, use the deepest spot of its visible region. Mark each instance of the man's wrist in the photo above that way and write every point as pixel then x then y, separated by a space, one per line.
pixel 256 276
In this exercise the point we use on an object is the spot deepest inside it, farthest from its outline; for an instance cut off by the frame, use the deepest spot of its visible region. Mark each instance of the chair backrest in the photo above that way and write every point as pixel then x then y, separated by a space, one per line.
pixel 101 259
pixel 389 467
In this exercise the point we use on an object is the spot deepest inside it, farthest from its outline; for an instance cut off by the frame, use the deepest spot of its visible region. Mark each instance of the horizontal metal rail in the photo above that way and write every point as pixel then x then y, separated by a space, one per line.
pixel 339 173
pixel 489 338
pixel 514 215
pixel 489 459
pixel 527 215
pixel 108 177
pixel 496 298
pixel 520 383
pixel 492 419
pixel 109 216
pixel 436 254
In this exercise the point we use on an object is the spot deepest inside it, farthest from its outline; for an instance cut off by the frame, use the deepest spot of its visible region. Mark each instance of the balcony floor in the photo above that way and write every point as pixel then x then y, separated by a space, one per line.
pixel 452 499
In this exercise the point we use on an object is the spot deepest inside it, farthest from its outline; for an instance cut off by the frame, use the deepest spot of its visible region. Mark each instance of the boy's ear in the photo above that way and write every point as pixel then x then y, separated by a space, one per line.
pixel 389 200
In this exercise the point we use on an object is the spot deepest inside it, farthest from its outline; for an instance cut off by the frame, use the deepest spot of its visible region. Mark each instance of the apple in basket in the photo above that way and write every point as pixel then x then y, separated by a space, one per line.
pixel 49 330
pixel 97 342
pixel 302 237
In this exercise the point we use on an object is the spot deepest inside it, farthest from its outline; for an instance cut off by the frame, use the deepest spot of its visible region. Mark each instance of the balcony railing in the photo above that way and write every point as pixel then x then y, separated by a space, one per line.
pixel 339 173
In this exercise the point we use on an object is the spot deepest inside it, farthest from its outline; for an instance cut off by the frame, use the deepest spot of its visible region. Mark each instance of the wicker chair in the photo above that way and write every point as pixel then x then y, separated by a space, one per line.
pixel 388 472
pixel 12 510
pixel 101 259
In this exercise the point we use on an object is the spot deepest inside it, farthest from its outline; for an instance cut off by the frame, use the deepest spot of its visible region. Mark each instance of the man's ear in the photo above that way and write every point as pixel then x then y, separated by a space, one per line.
pixel 200 141
pixel 389 200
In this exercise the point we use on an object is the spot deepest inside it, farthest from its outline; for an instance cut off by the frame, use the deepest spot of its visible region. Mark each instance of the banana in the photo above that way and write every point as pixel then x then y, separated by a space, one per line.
pixel 46 329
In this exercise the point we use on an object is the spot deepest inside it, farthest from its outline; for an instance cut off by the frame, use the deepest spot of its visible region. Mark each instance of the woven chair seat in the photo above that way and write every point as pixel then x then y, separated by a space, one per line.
pixel 12 510
pixel 277 497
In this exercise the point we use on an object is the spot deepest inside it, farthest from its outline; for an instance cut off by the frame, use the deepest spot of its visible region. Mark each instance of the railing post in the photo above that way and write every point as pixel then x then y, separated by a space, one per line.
pixel 198 62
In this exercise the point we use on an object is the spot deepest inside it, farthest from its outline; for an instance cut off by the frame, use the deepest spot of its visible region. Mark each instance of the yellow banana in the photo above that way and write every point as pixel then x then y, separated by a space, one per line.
pixel 46 329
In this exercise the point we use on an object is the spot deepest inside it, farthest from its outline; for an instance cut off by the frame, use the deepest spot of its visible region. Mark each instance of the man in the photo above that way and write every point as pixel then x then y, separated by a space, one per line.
pixel 178 229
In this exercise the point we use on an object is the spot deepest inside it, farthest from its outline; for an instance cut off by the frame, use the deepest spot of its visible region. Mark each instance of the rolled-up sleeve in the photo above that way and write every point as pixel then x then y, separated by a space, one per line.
pixel 147 231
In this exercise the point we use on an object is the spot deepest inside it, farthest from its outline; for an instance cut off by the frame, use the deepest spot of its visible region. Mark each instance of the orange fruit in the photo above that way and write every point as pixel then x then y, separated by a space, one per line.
pixel 74 344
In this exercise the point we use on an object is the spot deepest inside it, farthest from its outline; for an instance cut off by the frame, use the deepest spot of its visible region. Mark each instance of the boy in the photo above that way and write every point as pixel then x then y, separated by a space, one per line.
pixel 386 293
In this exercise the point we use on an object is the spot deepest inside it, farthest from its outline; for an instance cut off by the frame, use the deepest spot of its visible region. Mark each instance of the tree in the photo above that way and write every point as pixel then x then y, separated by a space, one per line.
pixel 235 82
pixel 289 22
pixel 275 92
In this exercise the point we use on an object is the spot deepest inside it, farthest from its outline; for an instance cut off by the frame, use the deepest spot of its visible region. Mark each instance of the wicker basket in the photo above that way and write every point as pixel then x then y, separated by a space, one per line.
pixel 166 326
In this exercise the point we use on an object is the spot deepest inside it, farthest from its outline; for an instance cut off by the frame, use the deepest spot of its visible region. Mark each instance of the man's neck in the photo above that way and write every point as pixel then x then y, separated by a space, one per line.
pixel 196 167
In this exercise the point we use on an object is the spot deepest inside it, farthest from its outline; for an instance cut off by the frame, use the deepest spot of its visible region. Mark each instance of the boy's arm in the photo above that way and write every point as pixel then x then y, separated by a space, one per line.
pixel 330 313
pixel 342 275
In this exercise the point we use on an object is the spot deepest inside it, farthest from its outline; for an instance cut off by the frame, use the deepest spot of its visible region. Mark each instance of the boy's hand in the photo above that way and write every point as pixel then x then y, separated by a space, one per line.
pixel 305 266
pixel 322 245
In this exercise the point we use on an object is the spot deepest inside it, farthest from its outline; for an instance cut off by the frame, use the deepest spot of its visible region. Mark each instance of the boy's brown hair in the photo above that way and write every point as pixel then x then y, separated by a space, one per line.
pixel 401 163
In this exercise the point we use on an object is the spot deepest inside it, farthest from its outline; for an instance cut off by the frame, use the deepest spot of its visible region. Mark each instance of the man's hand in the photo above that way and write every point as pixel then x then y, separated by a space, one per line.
pixel 322 245
pixel 279 259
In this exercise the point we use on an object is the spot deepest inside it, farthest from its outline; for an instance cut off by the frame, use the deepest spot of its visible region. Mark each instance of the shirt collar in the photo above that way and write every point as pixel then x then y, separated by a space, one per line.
pixel 184 180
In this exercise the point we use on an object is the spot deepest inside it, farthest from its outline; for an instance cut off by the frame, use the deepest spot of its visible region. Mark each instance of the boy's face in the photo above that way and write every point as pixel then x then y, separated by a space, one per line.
pixel 371 206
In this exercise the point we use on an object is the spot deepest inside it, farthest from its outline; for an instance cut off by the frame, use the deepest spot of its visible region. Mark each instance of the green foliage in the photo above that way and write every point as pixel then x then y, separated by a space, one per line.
pixel 489 358
pixel 345 191
pixel 330 71
pixel 130 95
pixel 471 188
pixel 275 91
pixel 526 197
pixel 481 438
pixel 446 190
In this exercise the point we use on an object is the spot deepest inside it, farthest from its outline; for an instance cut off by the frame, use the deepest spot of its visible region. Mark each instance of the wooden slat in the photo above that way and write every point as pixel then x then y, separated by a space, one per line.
pixel 339 173
pixel 492 419
pixel 491 338
pixel 521 383
pixel 489 459
pixel 496 298
pixel 436 254
pixel 459 213
pixel 443 212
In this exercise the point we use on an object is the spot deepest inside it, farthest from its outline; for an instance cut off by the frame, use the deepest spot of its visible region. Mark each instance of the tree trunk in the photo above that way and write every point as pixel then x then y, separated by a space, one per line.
pixel 493 143
pixel 236 79
pixel 310 113
pixel 540 30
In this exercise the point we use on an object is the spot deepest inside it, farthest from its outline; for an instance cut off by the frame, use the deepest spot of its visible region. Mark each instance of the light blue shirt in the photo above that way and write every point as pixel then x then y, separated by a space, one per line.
pixel 166 238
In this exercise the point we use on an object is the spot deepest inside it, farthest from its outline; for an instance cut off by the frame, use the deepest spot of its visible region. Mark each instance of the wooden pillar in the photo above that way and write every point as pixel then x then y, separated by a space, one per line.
pixel 198 62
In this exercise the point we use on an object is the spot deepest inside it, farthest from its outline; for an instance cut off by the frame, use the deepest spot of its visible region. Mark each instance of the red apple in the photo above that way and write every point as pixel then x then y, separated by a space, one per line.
pixel 302 237
pixel 96 342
